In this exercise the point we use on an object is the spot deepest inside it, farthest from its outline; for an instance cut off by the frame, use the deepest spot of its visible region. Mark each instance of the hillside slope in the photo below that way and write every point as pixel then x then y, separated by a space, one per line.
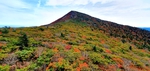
pixel 137 36
pixel 69 45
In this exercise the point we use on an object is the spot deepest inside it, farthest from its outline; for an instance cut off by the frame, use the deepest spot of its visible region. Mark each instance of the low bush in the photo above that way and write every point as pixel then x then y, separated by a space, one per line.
pixel 4 68
pixel 24 55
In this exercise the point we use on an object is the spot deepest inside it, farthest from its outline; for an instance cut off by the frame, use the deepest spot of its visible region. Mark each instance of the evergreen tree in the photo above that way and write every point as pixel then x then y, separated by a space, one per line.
pixel 130 47
pixel 23 41
pixel 62 35
pixel 95 49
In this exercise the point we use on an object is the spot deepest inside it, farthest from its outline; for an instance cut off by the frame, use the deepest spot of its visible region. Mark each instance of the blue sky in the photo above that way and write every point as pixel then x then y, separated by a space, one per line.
pixel 39 12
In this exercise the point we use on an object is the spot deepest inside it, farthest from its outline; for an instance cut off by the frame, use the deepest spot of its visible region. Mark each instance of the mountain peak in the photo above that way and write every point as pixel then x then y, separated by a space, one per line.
pixel 72 11
pixel 64 18
pixel 73 15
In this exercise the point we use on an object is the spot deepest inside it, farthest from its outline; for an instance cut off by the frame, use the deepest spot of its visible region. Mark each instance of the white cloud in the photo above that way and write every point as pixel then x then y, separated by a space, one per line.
pixel 127 12
pixel 14 3
pixel 74 2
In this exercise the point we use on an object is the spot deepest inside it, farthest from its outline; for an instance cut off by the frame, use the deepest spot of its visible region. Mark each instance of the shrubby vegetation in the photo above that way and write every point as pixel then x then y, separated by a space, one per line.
pixel 69 46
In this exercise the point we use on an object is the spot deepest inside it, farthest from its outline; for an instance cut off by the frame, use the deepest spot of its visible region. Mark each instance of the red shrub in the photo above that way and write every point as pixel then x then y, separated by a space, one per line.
pixel 50 45
pixel 119 66
pixel 68 47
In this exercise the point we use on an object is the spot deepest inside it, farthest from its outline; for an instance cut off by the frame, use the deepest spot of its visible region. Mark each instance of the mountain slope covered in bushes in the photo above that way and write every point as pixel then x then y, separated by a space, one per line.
pixel 72 45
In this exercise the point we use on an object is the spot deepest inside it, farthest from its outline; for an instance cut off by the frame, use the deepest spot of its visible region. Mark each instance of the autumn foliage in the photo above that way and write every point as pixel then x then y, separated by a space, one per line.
pixel 76 50
pixel 68 47
pixel 83 65
pixel 108 51
pixel 83 43
pixel 55 50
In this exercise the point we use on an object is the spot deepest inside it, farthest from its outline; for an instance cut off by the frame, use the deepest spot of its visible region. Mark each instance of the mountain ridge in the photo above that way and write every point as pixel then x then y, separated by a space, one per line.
pixel 76 15
pixel 73 15
pixel 113 29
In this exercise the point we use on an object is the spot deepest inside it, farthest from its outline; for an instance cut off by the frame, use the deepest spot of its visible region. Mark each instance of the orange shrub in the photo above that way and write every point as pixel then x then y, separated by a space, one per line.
pixel 83 65
pixel 55 50
pixel 50 64
pixel 118 60
pixel 60 59
pixel 78 69
pixel 64 41
pixel 108 51
pixel 103 42
pixel 82 58
pixel 72 35
pixel 143 50
pixel 84 37
pixel 54 65
pixel 1 45
pixel 76 50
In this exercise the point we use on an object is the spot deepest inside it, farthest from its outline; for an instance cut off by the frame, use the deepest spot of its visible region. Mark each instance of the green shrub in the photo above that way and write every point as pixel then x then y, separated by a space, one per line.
pixel 97 49
pixel 2 55
pixel 24 55
pixel 70 56
pixel 4 39
pixel 45 57
pixel 5 31
pixel 73 43
pixel 4 68
pixel 138 63
pixel 34 43
pixel 22 69
pixel 98 59
pixel 32 66
pixel 10 47
pixel 42 60
pixel 41 29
